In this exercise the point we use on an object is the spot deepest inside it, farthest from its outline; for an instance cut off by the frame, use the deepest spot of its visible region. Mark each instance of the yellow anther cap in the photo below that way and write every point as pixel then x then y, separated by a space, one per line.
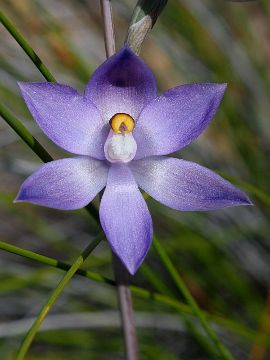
pixel 122 123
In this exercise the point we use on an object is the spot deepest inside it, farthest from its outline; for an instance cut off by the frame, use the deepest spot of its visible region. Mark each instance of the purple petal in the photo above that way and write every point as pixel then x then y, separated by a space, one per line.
pixel 183 185
pixel 122 84
pixel 65 184
pixel 176 118
pixel 125 218
pixel 66 117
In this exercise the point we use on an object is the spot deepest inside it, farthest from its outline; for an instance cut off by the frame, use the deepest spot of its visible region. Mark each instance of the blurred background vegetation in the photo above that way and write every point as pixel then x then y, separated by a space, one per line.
pixel 223 256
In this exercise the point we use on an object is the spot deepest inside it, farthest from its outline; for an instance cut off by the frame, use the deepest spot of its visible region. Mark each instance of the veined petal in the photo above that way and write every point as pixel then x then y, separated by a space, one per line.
pixel 122 84
pixel 176 118
pixel 66 117
pixel 125 218
pixel 65 184
pixel 184 185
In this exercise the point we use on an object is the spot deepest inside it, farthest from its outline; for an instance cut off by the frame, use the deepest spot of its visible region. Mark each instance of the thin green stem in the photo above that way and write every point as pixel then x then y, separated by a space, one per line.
pixel 25 135
pixel 137 291
pixel 223 351
pixel 55 295
pixel 26 47
pixel 53 262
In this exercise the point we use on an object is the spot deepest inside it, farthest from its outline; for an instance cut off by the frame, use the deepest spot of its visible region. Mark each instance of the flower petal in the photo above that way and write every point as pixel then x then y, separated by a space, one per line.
pixel 183 185
pixel 125 218
pixel 66 117
pixel 65 184
pixel 122 84
pixel 176 118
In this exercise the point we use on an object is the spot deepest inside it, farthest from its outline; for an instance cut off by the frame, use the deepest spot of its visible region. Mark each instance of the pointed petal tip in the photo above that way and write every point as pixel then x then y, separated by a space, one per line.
pixel 131 269
pixel 218 87
pixel 26 88
pixel 23 85
pixel 247 201
pixel 241 200
pixel 128 50
pixel 20 196
pixel 131 266
pixel 223 86
pixel 16 200
pixel 126 53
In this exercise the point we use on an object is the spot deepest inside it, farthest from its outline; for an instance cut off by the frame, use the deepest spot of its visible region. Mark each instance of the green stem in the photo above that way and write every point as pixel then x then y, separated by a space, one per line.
pixel 137 291
pixel 25 135
pixel 223 351
pixel 26 47
pixel 53 262
pixel 55 295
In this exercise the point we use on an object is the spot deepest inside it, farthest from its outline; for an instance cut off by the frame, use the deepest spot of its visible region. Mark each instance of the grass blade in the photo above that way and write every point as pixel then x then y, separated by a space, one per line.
pixel 223 351
pixel 141 293
pixel 55 295
pixel 26 47
pixel 25 135
pixel 42 259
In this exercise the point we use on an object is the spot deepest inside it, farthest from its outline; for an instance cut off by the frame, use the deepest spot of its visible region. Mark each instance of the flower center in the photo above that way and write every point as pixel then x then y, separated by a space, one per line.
pixel 122 123
pixel 120 145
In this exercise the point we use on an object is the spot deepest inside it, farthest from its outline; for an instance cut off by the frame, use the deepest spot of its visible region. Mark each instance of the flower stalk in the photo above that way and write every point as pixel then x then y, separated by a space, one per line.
pixel 106 11
pixel 126 309
pixel 121 274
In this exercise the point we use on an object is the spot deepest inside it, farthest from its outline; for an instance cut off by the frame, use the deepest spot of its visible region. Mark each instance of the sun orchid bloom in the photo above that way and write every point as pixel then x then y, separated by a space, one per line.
pixel 121 132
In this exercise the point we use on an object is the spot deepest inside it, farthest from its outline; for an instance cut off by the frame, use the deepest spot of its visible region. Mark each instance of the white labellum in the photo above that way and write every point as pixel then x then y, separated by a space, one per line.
pixel 120 147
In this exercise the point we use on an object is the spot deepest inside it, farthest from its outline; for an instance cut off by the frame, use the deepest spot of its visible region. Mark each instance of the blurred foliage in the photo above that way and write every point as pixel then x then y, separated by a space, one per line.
pixel 223 256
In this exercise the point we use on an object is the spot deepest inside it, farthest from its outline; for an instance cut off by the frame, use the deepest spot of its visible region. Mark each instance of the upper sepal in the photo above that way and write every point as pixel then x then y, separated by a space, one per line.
pixel 122 84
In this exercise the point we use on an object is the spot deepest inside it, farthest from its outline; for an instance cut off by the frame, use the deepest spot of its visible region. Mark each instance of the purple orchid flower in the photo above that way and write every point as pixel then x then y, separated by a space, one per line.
pixel 120 129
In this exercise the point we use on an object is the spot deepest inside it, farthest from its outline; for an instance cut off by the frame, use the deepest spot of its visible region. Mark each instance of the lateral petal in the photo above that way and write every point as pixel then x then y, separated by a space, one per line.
pixel 66 117
pixel 176 118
